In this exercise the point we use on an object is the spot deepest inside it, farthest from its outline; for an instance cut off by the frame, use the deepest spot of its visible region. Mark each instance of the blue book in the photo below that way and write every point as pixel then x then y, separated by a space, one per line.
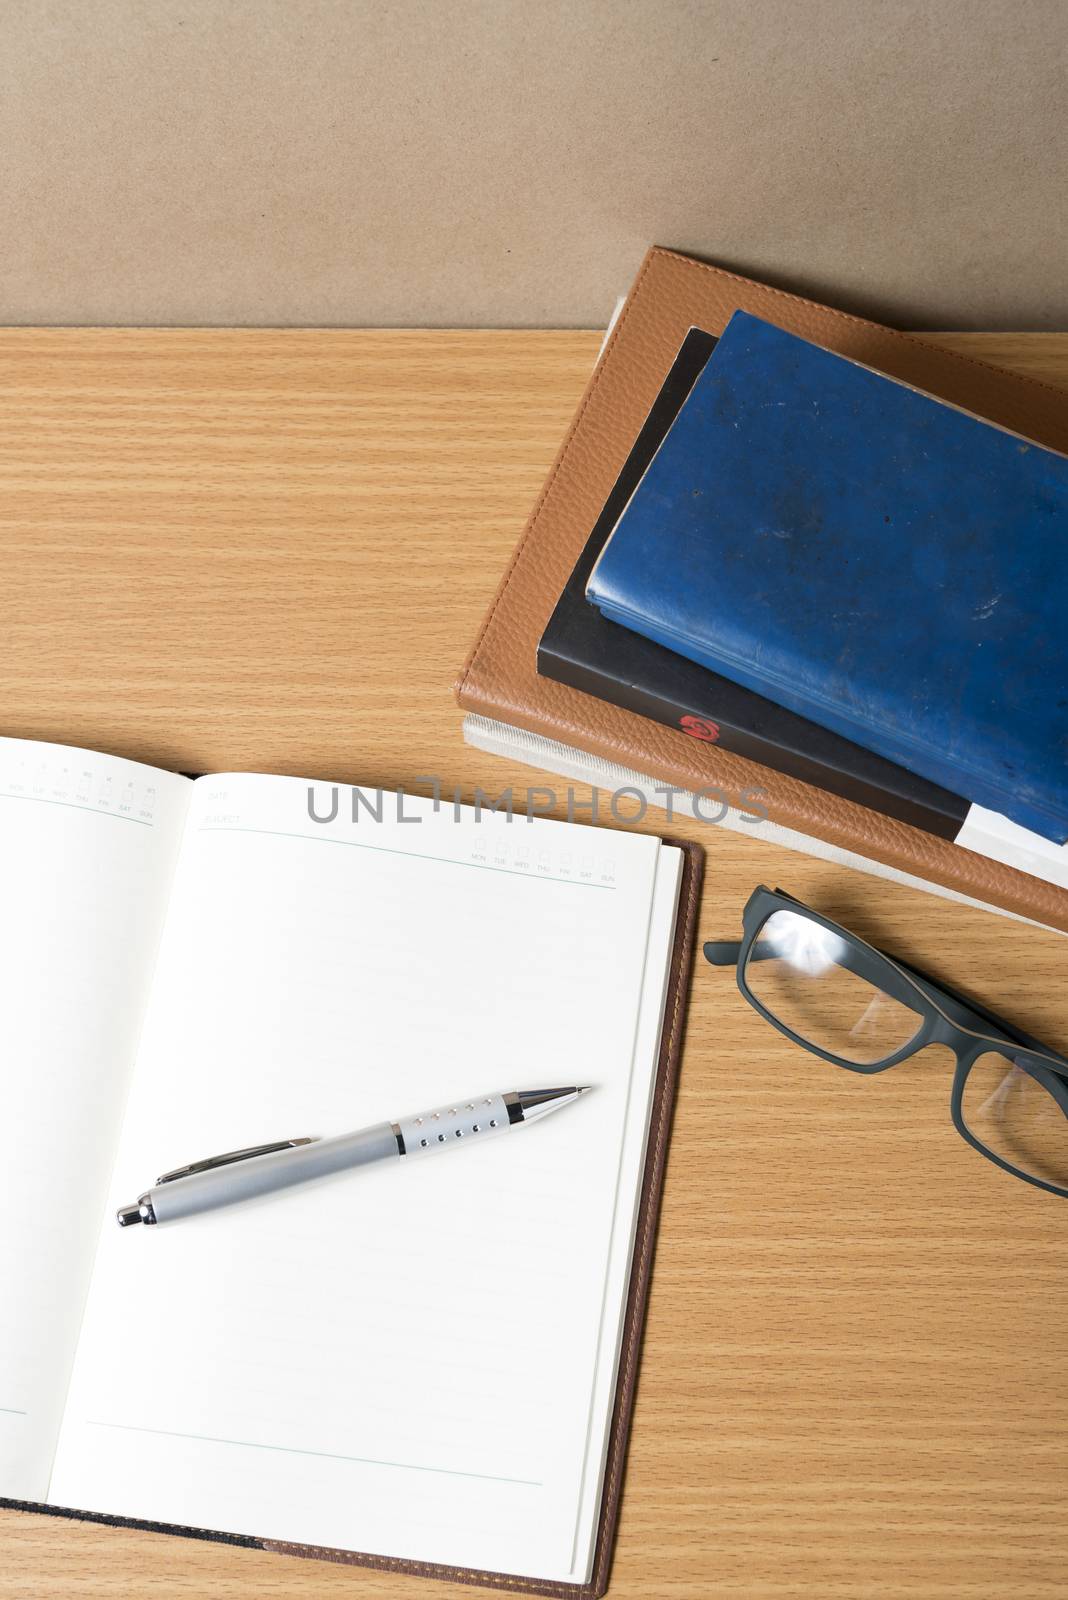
pixel 889 566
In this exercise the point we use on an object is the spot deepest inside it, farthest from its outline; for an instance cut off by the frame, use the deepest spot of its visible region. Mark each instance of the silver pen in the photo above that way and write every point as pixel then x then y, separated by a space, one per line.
pixel 261 1169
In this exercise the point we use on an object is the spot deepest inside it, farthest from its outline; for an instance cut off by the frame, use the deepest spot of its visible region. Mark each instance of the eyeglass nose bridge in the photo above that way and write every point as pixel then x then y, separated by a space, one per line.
pixel 954 1019
pixel 942 1030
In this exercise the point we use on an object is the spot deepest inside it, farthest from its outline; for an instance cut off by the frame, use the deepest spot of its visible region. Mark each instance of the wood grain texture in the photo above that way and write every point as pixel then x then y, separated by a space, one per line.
pixel 272 550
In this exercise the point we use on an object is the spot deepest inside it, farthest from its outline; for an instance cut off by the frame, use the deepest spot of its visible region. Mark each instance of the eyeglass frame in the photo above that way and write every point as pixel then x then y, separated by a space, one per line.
pixel 944 1015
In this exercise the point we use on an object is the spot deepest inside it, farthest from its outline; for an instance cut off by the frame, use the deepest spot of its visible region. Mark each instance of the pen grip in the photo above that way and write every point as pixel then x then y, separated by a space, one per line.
pixel 448 1126
pixel 243 1180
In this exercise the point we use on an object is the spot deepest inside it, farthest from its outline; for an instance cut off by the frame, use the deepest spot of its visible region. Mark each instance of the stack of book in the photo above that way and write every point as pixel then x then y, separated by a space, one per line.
pixel 813 566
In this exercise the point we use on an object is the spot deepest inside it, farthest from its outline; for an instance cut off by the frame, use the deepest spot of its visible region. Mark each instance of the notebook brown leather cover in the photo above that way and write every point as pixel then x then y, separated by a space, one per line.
pixel 671 294
pixel 663 1106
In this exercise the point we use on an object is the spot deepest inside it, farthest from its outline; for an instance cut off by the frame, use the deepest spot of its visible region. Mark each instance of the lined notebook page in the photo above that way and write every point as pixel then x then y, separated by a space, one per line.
pixel 87 848
pixel 409 1360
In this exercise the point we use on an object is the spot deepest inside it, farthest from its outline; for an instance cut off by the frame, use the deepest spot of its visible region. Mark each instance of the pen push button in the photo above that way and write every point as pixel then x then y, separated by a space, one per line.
pixel 451 1125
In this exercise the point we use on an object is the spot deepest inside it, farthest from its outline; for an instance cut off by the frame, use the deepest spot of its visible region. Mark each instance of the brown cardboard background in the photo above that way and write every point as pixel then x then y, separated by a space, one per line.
pixel 506 162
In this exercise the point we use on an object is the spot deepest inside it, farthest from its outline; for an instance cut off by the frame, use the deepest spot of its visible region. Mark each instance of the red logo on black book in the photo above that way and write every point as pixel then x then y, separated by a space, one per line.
pixel 700 728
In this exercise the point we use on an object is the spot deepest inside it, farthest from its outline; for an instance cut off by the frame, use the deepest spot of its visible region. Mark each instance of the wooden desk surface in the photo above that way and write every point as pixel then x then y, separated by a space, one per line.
pixel 272 549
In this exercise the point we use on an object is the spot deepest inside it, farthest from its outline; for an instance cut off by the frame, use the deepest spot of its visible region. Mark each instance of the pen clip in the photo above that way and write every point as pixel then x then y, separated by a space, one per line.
pixel 232 1155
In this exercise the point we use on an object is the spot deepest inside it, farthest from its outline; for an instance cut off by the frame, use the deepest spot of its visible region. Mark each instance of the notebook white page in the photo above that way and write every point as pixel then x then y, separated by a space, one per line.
pixel 408 1361
pixel 87 849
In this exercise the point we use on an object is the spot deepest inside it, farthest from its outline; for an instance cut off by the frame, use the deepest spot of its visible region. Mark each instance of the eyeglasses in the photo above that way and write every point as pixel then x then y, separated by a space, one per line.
pixel 852 1005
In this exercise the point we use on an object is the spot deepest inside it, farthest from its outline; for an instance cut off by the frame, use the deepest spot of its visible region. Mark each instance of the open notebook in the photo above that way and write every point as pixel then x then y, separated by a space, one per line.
pixel 416 1364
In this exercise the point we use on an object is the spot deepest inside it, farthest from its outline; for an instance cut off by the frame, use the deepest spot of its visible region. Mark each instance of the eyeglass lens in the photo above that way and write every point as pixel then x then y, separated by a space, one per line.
pixel 1018 1110
pixel 801 973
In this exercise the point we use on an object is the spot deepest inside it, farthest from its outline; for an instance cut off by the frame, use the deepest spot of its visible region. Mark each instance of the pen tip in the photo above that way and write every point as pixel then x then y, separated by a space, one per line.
pixel 585 1089
pixel 128 1215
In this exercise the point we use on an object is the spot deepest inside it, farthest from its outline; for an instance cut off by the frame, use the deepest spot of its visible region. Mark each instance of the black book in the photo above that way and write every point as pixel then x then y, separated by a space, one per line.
pixel 583 649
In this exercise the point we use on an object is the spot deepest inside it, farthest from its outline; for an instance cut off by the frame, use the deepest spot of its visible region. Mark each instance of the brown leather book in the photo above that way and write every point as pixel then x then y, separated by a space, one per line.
pixel 500 683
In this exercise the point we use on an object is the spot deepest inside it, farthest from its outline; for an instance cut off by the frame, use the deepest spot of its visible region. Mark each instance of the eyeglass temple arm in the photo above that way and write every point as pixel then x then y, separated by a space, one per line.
pixel 725 952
